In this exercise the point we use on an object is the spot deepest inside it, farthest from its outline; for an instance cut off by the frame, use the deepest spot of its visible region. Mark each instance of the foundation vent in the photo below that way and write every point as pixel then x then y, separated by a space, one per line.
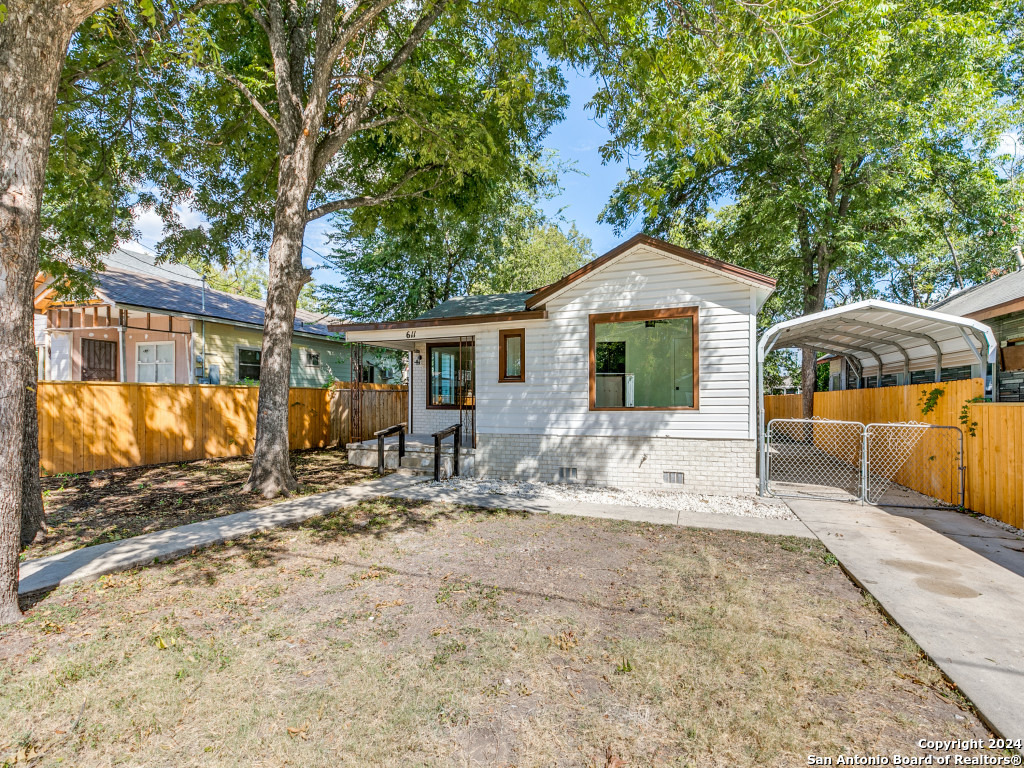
pixel 567 474
pixel 676 478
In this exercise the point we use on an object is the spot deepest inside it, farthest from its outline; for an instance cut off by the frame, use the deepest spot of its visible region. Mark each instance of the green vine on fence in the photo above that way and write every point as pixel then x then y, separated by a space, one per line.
pixel 965 415
pixel 930 399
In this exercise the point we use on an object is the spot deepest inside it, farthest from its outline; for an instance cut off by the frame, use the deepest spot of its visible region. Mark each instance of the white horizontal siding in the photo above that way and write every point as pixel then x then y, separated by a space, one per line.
pixel 555 399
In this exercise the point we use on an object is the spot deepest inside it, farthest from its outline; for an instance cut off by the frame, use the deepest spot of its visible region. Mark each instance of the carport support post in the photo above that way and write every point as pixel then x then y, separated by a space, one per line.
pixel 762 448
pixel 864 465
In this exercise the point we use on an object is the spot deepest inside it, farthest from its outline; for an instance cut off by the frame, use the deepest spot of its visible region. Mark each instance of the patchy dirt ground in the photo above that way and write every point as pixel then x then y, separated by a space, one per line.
pixel 415 634
pixel 113 504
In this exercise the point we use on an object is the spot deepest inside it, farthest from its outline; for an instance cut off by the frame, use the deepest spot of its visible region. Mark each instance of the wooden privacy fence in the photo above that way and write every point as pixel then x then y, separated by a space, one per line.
pixel 993 455
pixel 85 426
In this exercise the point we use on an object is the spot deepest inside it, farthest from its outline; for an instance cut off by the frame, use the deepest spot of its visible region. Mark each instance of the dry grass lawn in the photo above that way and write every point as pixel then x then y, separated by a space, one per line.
pixel 415 634
pixel 113 504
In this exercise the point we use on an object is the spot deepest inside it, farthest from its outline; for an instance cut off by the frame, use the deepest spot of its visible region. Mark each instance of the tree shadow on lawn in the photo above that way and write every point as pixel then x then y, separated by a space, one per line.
pixel 114 504
pixel 370 519
pixel 374 519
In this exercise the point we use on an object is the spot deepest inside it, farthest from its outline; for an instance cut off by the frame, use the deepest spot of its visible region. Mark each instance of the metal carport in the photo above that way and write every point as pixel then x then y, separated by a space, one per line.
pixel 878 337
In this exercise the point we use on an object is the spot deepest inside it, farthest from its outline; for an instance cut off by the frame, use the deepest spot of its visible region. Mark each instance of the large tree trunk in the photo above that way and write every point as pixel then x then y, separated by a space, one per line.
pixel 271 472
pixel 33 519
pixel 816 275
pixel 808 380
pixel 34 40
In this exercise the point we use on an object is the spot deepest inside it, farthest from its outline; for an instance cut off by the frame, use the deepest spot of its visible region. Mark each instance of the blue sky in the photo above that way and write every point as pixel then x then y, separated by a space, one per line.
pixel 577 140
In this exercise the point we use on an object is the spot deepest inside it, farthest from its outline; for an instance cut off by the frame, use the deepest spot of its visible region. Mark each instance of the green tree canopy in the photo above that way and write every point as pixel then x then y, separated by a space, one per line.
pixel 892 115
pixel 544 254
pixel 898 117
pixel 104 149
pixel 486 236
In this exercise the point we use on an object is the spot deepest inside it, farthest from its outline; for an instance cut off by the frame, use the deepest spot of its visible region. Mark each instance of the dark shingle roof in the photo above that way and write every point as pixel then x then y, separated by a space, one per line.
pixel 469 306
pixel 980 297
pixel 166 295
pixel 132 257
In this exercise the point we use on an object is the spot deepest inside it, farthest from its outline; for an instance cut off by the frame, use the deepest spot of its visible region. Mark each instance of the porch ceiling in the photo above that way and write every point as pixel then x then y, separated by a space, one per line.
pixel 879 334
pixel 408 345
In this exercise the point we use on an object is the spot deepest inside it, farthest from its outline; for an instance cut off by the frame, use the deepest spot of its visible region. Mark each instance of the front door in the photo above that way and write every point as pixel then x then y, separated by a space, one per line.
pixel 451 383
pixel 99 360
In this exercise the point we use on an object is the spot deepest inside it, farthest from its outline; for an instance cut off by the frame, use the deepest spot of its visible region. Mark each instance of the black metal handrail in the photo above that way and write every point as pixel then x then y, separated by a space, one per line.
pixel 380 435
pixel 455 430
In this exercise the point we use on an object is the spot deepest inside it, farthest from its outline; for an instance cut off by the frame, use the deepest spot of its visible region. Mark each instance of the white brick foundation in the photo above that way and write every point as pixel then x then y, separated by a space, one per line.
pixel 708 466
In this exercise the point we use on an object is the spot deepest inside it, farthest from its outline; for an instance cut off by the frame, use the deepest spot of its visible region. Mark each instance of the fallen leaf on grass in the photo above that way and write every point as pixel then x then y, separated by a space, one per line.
pixel 25 755
pixel 565 641
pixel 300 731
pixel 610 760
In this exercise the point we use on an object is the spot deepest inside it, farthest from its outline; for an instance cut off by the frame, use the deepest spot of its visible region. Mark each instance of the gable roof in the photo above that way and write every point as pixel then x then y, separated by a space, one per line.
pixel 472 306
pixel 529 305
pixel 132 257
pixel 997 297
pixel 176 297
pixel 730 270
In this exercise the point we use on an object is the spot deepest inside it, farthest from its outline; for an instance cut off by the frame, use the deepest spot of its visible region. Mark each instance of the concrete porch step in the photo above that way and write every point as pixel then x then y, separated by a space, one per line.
pixel 418 461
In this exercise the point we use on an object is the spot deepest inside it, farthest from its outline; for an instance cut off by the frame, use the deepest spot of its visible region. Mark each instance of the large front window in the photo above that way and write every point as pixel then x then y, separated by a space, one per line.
pixel 450 376
pixel 645 359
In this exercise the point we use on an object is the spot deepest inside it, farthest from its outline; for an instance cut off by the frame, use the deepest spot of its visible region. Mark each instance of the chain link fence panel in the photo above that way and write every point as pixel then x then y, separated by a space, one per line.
pixel 897 464
pixel 814 458
pixel 914 465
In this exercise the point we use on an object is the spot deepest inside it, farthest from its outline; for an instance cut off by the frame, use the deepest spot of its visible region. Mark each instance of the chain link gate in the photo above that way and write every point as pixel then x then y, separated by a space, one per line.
pixel 914 465
pixel 814 458
pixel 897 464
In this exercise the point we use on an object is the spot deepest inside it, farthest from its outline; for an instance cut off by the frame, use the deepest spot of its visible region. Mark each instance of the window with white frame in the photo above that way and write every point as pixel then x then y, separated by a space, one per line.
pixel 154 361
pixel 248 361
pixel 312 358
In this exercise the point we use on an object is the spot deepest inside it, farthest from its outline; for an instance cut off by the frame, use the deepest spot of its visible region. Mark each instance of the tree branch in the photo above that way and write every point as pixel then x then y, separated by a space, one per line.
pixel 362 201
pixel 335 140
pixel 379 123
pixel 425 23
pixel 277 36
pixel 257 104
pixel 357 26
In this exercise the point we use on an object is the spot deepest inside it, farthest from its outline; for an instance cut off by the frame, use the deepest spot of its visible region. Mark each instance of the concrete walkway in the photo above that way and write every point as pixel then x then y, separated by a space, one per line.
pixel 92 562
pixel 955 584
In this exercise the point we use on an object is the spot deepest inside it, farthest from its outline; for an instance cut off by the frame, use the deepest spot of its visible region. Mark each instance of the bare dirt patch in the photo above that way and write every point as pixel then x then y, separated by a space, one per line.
pixel 416 634
pixel 109 505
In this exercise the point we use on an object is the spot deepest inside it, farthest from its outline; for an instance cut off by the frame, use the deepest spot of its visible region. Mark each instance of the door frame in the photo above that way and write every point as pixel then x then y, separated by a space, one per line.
pixel 117 358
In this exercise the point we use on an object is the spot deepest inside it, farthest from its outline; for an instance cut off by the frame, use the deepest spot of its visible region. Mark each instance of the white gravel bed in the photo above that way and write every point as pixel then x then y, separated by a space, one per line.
pixel 744 506
pixel 1004 526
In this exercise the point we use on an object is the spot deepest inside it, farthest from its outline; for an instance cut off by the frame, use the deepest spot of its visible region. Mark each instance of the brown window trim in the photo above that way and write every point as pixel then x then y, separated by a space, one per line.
pixel 647 314
pixel 503 352
pixel 429 376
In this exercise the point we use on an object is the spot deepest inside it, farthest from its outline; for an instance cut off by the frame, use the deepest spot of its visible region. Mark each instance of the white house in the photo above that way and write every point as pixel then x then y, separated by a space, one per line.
pixel 637 370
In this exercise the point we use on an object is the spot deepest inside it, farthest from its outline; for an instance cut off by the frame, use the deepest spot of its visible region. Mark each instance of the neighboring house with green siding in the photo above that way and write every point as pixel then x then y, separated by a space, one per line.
pixel 156 323
pixel 316 360
pixel 999 304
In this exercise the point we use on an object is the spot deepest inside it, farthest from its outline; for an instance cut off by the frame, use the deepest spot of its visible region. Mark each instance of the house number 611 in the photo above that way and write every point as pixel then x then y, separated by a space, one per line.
pixel 410 334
